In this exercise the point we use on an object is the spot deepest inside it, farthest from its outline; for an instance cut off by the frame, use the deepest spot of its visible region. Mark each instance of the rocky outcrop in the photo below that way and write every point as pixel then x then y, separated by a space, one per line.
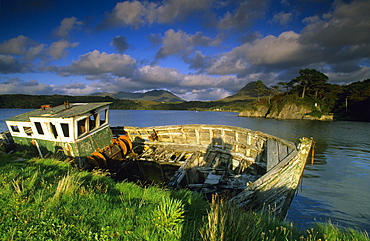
pixel 261 112
pixel 288 112
pixel 325 117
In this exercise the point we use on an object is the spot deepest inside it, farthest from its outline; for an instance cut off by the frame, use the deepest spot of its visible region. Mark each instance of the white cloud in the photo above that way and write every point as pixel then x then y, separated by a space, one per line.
pixel 75 88
pixel 362 73
pixel 228 63
pixel 198 61
pixel 67 25
pixel 16 46
pixel 95 63
pixel 337 42
pixel 273 50
pixel 9 64
pixel 348 24
pixel 339 37
pixel 158 75
pixel 27 49
pixel 183 44
pixel 201 80
pixel 57 50
pixel 155 77
pixel 120 43
pixel 139 13
pixel 127 14
pixel 178 9
pixel 205 94
pixel 266 54
pixel 18 86
pixel 22 46
pixel 245 15
pixel 282 18
pixel 34 52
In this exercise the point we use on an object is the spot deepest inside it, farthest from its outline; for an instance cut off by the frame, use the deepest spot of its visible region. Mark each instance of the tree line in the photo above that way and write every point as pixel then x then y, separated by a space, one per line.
pixel 21 101
pixel 350 101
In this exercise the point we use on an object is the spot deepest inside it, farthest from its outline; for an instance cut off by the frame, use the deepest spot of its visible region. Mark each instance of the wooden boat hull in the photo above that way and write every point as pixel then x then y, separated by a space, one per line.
pixel 258 171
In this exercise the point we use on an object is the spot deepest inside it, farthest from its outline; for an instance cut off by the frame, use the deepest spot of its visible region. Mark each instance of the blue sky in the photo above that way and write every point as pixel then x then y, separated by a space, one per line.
pixel 197 49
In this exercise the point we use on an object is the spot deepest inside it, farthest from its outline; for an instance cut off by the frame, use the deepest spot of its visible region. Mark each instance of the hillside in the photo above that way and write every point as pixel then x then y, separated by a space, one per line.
pixel 20 101
pixel 154 95
pixel 246 93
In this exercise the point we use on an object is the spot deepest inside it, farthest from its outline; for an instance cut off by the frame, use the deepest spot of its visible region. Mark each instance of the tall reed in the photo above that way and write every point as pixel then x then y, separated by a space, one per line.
pixel 69 184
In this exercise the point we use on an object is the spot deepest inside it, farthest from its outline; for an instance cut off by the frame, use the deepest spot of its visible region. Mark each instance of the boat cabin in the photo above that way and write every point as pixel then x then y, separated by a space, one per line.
pixel 70 130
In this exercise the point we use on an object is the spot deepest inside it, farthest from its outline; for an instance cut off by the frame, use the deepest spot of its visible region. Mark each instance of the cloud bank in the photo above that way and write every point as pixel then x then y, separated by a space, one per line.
pixel 207 61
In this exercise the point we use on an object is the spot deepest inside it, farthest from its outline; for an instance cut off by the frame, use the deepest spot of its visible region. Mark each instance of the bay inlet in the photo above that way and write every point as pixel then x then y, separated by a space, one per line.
pixel 335 188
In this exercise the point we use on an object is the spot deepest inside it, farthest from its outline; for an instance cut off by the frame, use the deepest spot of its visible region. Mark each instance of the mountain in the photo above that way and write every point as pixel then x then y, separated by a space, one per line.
pixel 247 92
pixel 153 95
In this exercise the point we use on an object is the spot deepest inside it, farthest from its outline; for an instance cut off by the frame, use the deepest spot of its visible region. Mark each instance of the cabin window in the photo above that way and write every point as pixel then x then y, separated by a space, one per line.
pixel 65 129
pixel 39 128
pixel 103 116
pixel 28 130
pixel 54 130
pixel 81 126
pixel 92 121
pixel 15 128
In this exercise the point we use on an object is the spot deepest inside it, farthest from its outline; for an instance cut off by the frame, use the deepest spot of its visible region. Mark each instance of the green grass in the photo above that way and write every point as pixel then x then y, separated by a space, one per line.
pixel 45 199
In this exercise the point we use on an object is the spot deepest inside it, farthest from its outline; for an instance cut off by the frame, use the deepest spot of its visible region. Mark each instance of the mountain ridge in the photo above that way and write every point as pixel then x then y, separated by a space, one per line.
pixel 153 95
pixel 248 92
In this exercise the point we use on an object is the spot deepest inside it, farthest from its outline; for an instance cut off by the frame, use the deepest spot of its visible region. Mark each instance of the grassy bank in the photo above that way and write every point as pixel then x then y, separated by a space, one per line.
pixel 43 199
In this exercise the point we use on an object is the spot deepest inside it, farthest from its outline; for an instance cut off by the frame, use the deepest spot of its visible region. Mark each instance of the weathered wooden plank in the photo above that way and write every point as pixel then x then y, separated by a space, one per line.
pixel 275 170
pixel 274 190
pixel 180 156
pixel 283 151
pixel 272 153
pixel 208 159
pixel 212 179
pixel 216 162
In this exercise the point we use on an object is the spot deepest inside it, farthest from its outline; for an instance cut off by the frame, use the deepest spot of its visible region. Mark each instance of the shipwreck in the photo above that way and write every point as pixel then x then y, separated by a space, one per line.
pixel 255 170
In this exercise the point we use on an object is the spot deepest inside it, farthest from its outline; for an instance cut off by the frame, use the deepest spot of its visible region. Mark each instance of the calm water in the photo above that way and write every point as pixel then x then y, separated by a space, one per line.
pixel 335 188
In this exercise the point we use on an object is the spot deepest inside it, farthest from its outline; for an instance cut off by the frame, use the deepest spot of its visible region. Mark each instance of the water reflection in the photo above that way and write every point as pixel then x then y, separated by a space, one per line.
pixel 300 214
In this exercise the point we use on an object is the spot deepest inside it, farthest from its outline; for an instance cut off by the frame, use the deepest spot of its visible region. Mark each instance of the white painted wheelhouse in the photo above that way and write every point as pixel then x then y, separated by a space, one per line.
pixel 76 129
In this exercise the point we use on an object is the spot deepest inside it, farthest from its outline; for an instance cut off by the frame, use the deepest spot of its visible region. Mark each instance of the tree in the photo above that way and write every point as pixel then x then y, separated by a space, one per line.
pixel 285 86
pixel 274 90
pixel 260 88
pixel 358 91
pixel 309 79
